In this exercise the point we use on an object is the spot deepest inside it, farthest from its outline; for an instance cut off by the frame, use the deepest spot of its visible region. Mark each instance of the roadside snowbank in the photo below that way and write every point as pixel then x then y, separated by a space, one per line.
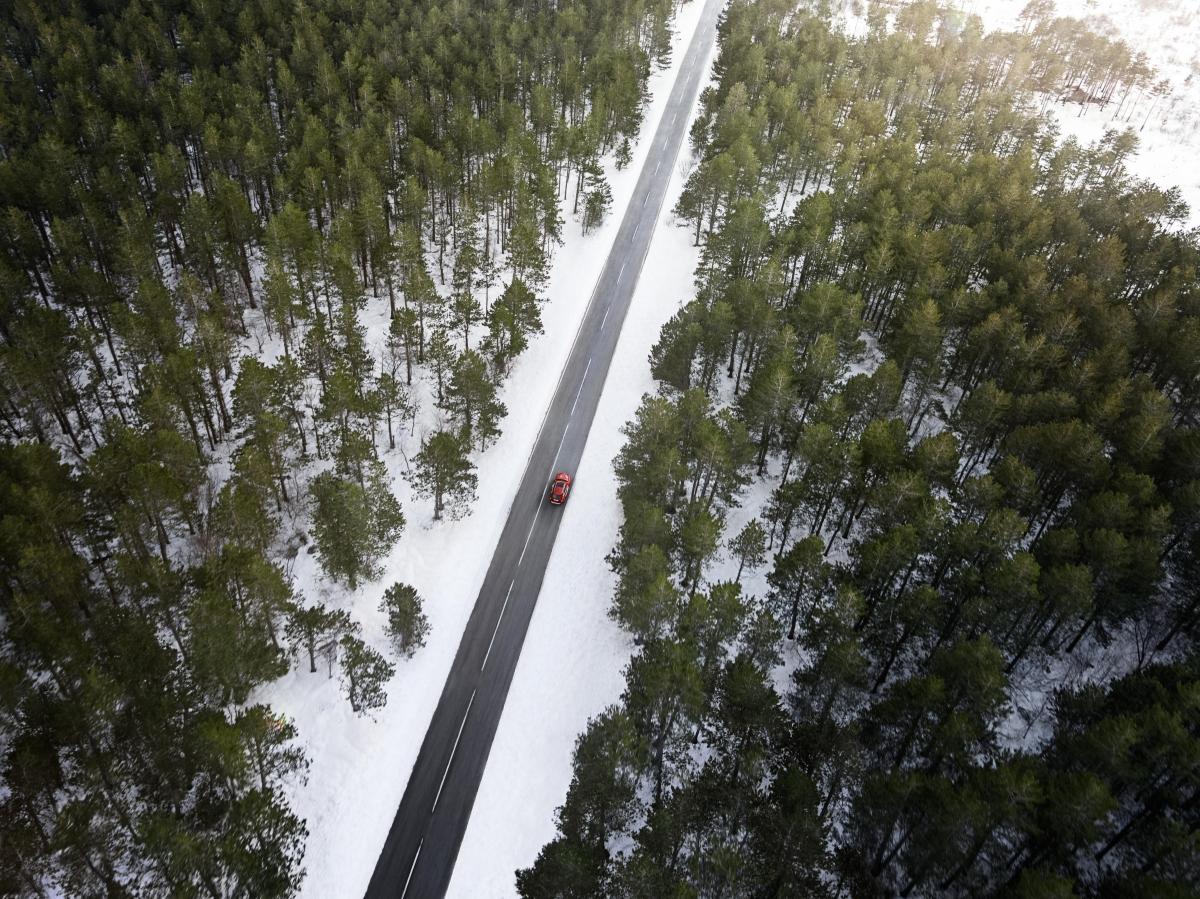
pixel 359 766
pixel 573 660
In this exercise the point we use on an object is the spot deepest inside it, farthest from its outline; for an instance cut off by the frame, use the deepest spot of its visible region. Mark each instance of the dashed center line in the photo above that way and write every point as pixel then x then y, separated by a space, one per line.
pixel 470 703
pixel 496 629
pixel 408 880
pixel 560 443
pixel 581 383
pixel 535 518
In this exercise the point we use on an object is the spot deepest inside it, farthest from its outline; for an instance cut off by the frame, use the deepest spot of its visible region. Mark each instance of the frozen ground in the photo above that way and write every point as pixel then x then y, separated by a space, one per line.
pixel 359 766
pixel 1168 32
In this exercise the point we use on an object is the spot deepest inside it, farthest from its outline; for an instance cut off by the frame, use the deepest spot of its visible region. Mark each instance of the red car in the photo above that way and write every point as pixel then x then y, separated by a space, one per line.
pixel 560 489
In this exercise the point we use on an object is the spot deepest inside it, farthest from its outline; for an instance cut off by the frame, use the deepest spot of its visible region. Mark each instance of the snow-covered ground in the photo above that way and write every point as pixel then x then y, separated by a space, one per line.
pixel 572 663
pixel 573 658
pixel 1168 32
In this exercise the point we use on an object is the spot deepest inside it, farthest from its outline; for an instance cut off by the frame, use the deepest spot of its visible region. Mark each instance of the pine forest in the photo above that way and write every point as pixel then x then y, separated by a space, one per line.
pixel 202 205
pixel 955 358
pixel 908 561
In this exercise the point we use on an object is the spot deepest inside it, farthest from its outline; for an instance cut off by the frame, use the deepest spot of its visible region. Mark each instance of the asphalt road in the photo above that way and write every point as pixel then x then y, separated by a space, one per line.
pixel 418 856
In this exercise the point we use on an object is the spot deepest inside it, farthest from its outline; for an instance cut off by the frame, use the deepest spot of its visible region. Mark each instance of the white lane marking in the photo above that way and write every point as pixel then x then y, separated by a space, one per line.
pixel 603 320
pixel 657 167
pixel 452 751
pixel 560 443
pixel 537 513
pixel 585 378
pixel 674 117
pixel 496 629
pixel 408 880
pixel 635 227
pixel 621 273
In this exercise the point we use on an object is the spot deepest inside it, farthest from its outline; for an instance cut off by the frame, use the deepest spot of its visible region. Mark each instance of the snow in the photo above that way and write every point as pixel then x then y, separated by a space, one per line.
pixel 1168 32
pixel 573 658
pixel 571 666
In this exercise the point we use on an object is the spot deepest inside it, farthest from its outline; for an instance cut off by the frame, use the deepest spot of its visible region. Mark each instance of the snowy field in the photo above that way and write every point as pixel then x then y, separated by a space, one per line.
pixel 359 766
pixel 1168 32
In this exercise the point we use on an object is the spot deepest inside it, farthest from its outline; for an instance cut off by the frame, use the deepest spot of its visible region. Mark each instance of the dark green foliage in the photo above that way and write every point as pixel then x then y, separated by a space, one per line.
pixel 406 622
pixel 749 547
pixel 514 317
pixel 147 744
pixel 955 359
pixel 229 655
pixel 179 186
pixel 355 524
pixel 365 673
pixel 602 801
pixel 445 473
pixel 316 627
pixel 470 397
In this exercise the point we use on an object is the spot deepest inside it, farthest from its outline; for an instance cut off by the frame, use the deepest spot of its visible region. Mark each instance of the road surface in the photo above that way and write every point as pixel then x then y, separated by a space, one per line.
pixel 418 855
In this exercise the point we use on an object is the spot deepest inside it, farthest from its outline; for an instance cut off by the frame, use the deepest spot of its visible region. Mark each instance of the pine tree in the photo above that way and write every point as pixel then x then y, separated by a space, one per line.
pixel 354 524
pixel 470 397
pixel 441 357
pixel 798 579
pixel 514 317
pixel 445 473
pixel 312 627
pixel 395 402
pixel 364 675
pixel 406 624
pixel 402 343
pixel 749 547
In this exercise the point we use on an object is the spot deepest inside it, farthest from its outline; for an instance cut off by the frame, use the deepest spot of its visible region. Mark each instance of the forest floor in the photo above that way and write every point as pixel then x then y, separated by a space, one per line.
pixel 573 656
pixel 1168 131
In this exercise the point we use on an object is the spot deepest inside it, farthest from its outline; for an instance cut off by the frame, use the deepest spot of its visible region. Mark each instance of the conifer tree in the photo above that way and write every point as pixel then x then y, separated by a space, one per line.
pixel 749 547
pixel 470 397
pixel 364 675
pixel 444 473
pixel 406 622
pixel 354 524
pixel 311 627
